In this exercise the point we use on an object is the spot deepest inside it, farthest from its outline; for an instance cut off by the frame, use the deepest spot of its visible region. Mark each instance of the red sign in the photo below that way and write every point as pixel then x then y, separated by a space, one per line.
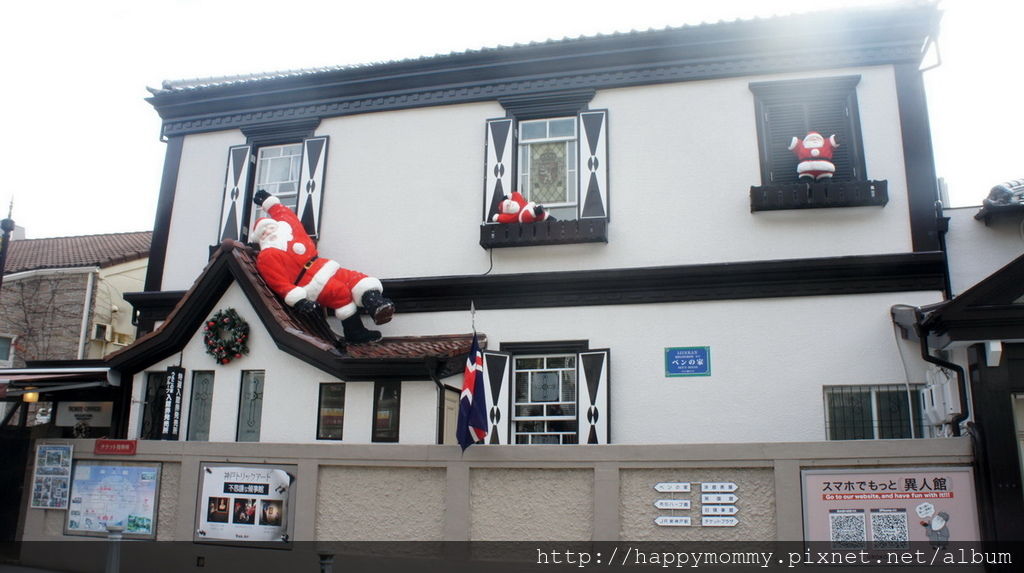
pixel 116 447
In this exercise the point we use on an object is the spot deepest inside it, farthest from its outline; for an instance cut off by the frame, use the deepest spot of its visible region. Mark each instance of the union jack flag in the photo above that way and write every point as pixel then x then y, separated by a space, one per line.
pixel 472 426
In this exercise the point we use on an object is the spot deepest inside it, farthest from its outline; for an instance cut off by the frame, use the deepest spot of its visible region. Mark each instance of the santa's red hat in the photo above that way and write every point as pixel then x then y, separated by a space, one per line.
pixel 260 226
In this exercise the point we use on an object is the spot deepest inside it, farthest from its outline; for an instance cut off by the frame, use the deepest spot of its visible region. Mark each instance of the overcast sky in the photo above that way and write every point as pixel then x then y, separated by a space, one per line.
pixel 80 151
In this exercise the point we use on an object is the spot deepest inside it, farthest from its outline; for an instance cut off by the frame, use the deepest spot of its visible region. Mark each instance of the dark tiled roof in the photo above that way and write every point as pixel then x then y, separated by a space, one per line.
pixel 651 34
pixel 405 358
pixel 1003 198
pixel 84 251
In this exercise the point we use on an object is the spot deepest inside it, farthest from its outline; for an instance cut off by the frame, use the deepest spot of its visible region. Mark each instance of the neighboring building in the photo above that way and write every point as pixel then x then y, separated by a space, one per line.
pixel 695 313
pixel 63 297
pixel 978 358
pixel 62 309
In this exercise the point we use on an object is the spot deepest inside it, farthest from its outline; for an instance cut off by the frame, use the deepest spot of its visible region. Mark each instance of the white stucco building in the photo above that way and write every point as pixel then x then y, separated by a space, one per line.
pixel 693 312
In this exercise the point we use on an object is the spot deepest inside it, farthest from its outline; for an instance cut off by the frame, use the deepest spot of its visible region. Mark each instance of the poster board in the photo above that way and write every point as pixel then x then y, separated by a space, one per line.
pixel 124 494
pixel 51 477
pixel 245 504
pixel 890 508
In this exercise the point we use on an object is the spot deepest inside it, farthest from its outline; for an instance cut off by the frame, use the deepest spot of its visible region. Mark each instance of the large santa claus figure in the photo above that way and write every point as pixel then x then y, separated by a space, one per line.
pixel 289 263
pixel 815 155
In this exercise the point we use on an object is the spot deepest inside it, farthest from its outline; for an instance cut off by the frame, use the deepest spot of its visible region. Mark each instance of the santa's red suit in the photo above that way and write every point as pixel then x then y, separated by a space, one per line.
pixel 289 264
pixel 815 155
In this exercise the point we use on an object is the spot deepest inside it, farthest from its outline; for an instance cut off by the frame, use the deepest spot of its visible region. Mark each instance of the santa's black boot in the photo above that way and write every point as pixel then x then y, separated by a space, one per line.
pixel 356 333
pixel 378 306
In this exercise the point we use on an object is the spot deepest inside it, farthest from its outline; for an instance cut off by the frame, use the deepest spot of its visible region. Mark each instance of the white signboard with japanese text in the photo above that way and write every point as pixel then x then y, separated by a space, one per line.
pixel 244 504
pixel 123 494
pixel 52 478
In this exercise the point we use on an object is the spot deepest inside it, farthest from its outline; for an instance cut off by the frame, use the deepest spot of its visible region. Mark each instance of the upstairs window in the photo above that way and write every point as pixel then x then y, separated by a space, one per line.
pixel 6 351
pixel 277 173
pixel 283 160
pixel 547 164
pixel 553 151
pixel 788 109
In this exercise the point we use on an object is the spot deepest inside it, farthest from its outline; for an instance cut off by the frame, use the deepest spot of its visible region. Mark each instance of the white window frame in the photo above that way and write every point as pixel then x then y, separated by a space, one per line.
pixel 917 431
pixel 523 144
pixel 545 418
pixel 289 199
pixel 9 361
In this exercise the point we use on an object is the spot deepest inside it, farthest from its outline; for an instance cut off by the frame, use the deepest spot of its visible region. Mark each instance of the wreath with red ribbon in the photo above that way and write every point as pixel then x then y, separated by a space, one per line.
pixel 225 335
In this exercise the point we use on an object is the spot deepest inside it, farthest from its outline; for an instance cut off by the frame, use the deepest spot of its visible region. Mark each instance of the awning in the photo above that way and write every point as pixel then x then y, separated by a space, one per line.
pixel 15 381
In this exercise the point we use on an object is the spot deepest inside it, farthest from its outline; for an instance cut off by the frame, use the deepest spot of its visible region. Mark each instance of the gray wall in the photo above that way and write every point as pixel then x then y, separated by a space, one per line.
pixel 435 493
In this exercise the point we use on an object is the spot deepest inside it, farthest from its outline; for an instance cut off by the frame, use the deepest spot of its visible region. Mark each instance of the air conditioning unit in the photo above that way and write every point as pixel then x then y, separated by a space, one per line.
pixel 122 339
pixel 102 331
pixel 940 401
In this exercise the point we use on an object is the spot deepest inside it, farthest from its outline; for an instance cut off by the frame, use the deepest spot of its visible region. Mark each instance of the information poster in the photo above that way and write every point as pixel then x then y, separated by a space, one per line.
pixel 888 509
pixel 114 494
pixel 52 476
pixel 244 504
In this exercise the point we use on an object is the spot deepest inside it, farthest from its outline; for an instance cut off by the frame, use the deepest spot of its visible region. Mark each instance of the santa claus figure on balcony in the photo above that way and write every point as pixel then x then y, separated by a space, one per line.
pixel 289 263
pixel 815 155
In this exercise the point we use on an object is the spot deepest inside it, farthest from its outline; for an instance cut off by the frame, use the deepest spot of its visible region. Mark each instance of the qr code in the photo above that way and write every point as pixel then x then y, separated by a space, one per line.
pixel 848 529
pixel 889 528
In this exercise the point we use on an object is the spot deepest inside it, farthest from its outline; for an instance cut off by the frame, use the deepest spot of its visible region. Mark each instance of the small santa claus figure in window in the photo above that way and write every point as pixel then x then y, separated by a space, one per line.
pixel 815 155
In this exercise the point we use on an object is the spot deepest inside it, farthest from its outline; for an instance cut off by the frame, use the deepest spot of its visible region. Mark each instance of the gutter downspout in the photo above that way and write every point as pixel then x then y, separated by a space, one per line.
pixel 432 368
pixel 86 307
pixel 926 355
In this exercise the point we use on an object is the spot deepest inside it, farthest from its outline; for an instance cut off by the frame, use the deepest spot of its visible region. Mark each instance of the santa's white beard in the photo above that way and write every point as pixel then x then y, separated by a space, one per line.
pixel 277 239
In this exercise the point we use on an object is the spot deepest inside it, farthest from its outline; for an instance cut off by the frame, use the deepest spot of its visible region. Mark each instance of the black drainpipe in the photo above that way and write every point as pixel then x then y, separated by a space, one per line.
pixel 960 377
pixel 432 369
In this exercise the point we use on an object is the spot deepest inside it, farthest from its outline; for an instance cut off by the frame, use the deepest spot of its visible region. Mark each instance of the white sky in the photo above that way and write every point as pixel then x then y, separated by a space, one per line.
pixel 80 151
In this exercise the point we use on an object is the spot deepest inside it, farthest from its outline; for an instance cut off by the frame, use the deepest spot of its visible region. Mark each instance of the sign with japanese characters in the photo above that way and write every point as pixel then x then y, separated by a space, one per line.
pixel 172 405
pixel 717 507
pixel 91 414
pixel 890 508
pixel 688 361
pixel 122 494
pixel 52 477
pixel 245 504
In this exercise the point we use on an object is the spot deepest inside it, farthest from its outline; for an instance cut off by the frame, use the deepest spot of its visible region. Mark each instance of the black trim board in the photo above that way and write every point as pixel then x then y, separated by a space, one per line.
pixel 720 281
pixel 918 158
pixel 164 208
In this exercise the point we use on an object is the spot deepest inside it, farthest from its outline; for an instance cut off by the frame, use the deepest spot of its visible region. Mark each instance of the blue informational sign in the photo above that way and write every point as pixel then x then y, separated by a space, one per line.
pixel 688 361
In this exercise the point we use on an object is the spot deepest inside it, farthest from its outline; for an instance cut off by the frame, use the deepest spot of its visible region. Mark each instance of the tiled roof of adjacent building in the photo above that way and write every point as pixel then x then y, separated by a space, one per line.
pixel 83 251
pixel 1006 197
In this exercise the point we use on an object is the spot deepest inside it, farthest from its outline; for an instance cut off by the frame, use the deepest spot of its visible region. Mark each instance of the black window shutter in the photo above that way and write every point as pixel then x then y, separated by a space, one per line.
pixel 311 183
pixel 499 174
pixel 592 397
pixel 233 219
pixel 593 165
pixel 497 376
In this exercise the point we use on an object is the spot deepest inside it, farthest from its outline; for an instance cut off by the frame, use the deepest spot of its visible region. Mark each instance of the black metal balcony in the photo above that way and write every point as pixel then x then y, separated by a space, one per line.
pixel 819 195
pixel 496 235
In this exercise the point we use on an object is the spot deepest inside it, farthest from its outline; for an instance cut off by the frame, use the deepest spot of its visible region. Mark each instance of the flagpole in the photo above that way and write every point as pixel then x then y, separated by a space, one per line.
pixel 6 225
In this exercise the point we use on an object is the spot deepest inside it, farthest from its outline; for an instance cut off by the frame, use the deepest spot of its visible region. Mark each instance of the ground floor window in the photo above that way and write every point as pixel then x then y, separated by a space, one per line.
pixel 878 412
pixel 200 405
pixel 250 406
pixel 545 399
pixel 331 415
pixel 386 399
pixel 154 395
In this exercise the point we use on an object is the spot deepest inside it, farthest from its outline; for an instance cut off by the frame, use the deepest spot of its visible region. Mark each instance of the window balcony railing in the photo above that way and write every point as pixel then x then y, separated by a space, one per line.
pixel 800 195
pixel 495 235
